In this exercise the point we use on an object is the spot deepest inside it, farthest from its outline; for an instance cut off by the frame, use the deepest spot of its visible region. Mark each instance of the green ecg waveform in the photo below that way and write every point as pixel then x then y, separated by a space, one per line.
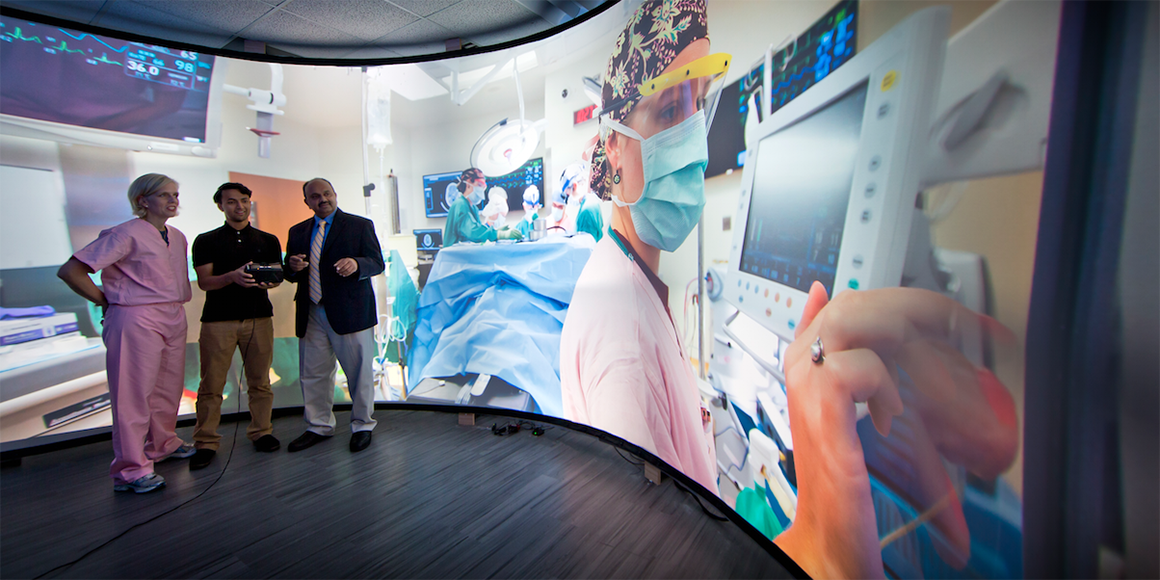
pixel 18 35
pixel 104 58
pixel 64 48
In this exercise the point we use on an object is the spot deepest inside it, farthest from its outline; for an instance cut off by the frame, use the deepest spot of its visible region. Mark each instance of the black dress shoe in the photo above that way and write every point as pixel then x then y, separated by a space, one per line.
pixel 305 440
pixel 359 440
pixel 267 444
pixel 201 459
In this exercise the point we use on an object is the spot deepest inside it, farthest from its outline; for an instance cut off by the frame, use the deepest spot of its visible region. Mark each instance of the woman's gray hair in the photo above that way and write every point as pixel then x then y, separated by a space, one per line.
pixel 146 185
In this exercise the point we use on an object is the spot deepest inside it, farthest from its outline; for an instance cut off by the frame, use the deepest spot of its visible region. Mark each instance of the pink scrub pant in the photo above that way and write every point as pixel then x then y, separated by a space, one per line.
pixel 146 367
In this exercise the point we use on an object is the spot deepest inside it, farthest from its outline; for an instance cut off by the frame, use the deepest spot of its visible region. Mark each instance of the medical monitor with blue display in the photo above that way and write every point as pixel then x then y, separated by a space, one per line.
pixel 830 180
pixel 813 55
pixel 439 189
pixel 439 192
pixel 514 183
pixel 800 193
pixel 61 77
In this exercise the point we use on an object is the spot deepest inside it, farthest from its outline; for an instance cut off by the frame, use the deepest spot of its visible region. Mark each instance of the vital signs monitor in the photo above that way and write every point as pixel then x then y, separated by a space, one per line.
pixel 830 181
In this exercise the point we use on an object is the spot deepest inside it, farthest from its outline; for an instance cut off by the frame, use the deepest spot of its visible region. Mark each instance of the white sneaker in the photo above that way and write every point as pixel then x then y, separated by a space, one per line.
pixel 184 452
pixel 143 484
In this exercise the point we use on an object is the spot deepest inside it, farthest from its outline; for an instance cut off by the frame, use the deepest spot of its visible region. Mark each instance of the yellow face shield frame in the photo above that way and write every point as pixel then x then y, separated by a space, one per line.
pixel 714 65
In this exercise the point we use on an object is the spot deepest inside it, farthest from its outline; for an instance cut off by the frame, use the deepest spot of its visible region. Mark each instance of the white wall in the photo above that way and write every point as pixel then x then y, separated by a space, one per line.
pixel 309 145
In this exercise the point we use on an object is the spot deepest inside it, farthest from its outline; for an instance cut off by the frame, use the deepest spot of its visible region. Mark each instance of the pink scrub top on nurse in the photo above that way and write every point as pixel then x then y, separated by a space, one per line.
pixel 137 266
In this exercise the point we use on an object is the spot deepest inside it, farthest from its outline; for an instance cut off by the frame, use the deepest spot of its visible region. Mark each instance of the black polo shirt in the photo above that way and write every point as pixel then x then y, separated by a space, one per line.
pixel 228 249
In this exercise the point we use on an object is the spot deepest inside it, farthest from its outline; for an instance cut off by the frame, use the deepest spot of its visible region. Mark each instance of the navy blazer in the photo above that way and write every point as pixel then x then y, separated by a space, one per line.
pixel 350 301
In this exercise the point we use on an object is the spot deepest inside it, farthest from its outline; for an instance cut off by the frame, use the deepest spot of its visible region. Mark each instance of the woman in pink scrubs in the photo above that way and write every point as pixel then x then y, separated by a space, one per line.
pixel 623 368
pixel 145 282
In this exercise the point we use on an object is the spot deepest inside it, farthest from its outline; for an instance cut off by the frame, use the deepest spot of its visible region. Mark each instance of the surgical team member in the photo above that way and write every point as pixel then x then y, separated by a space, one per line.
pixel 463 220
pixel 495 212
pixel 332 257
pixel 237 316
pixel 583 205
pixel 557 220
pixel 622 366
pixel 531 204
pixel 145 282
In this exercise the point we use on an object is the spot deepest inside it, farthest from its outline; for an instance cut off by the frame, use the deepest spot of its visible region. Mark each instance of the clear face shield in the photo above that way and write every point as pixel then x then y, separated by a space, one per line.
pixel 672 98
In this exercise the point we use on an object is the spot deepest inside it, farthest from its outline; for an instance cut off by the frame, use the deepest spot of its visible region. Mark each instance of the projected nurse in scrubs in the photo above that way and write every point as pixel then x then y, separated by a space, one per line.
pixel 624 369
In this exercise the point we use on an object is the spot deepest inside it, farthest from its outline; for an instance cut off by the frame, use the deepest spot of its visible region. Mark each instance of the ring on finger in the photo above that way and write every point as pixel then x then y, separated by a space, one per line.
pixel 817 351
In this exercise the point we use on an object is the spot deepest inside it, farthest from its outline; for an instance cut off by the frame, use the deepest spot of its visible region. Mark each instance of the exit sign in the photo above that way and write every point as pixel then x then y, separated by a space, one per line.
pixel 583 115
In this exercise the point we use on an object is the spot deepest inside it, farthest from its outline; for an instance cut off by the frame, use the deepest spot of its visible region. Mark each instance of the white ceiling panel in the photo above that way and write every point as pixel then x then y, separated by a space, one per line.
pixel 227 15
pixel 365 19
pixel 141 19
pixel 281 27
pixel 423 7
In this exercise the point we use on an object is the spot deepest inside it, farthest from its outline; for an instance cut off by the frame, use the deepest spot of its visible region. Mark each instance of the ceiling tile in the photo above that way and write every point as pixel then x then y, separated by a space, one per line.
pixel 74 10
pixel 281 27
pixel 366 19
pixel 515 32
pixel 148 21
pixel 472 17
pixel 420 32
pixel 228 15
pixel 423 7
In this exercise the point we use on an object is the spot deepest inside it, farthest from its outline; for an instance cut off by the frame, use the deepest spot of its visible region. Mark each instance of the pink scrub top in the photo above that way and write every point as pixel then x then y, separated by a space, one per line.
pixel 623 368
pixel 136 265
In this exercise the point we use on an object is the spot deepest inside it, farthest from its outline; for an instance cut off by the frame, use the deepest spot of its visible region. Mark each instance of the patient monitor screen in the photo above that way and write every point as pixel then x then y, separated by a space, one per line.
pixel 75 78
pixel 801 187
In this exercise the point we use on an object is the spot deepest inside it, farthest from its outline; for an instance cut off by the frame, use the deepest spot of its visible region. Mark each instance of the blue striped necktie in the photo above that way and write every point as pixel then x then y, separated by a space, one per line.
pixel 315 256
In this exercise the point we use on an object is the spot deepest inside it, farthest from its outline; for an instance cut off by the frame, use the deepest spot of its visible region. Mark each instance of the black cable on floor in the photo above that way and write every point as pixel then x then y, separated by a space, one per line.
pixel 636 463
pixel 681 487
pixel 698 498
pixel 233 446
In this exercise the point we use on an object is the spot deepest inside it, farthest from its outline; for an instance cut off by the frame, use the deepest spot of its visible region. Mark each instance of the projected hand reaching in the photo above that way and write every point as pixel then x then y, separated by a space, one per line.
pixel 966 416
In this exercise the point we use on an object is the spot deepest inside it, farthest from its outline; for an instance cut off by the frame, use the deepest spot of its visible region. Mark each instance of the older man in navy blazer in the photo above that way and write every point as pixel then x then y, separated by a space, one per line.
pixel 332 257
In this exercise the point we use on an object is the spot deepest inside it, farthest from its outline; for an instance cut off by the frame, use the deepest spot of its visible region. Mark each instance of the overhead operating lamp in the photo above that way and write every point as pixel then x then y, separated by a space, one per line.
pixel 509 143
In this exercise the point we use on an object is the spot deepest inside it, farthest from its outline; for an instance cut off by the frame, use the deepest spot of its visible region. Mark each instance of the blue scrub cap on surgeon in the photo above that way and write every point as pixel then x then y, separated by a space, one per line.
pixel 532 196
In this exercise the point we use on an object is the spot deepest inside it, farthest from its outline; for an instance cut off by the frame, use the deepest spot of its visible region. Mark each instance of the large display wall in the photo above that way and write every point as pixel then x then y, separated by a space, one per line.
pixel 600 327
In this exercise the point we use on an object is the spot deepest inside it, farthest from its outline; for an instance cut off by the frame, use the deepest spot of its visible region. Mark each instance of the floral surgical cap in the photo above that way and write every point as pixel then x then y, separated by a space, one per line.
pixel 652 39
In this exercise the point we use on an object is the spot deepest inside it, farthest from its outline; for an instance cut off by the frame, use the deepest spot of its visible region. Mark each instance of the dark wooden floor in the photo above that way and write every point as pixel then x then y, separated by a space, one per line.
pixel 428 499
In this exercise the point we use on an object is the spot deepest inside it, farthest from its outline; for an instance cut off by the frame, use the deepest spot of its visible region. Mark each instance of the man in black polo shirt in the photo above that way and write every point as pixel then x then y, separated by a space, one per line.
pixel 237 315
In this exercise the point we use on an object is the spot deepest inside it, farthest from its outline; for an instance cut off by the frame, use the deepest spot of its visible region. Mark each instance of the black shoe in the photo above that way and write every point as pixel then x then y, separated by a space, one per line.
pixel 359 440
pixel 305 440
pixel 267 444
pixel 201 459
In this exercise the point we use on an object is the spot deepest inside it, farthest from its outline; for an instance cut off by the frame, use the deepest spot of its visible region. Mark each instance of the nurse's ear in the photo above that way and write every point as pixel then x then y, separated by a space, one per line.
pixel 612 151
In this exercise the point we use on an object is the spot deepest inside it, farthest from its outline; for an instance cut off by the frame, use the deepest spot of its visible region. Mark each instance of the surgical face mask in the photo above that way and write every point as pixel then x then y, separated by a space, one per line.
pixel 475 196
pixel 500 221
pixel 574 201
pixel 674 163
pixel 557 213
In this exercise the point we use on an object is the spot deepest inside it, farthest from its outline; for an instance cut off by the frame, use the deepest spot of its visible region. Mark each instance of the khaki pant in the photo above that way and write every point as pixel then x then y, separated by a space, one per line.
pixel 255 338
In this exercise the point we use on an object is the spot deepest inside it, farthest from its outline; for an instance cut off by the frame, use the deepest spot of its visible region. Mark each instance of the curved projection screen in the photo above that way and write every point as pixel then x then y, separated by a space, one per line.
pixel 561 323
